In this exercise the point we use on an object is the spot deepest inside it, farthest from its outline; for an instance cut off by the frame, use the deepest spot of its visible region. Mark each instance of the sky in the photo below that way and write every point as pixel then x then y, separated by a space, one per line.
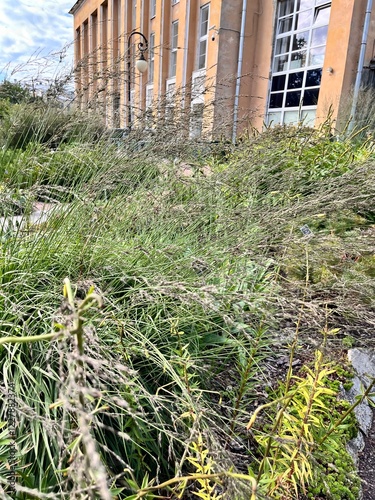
pixel 35 39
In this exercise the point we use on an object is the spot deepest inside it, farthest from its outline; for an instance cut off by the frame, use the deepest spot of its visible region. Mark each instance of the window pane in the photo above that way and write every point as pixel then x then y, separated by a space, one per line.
pixel 293 99
pixel 149 95
pixel 295 80
pixel 286 7
pixel 317 56
pixel 322 15
pixel 303 19
pixel 283 45
pixel 308 117
pixel 204 21
pixel 202 54
pixel 286 24
pixel 274 118
pixel 175 35
pixel 303 4
pixel 278 83
pixel 319 36
pixel 314 77
pixel 276 100
pixel 205 10
pixel 298 59
pixel 300 40
pixel 310 97
pixel 281 63
pixel 152 58
pixel 151 71
pixel 173 66
pixel 291 117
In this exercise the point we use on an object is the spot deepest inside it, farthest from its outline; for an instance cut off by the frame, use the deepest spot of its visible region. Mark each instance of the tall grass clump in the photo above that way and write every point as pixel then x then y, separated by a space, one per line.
pixel 183 280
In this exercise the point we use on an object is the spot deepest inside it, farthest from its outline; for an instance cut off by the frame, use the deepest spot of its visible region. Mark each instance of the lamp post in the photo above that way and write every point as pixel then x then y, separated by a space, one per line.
pixel 141 65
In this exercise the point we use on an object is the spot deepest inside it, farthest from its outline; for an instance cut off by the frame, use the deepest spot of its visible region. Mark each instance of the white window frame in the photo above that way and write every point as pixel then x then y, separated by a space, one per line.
pixel 152 8
pixel 203 38
pixel 174 47
pixel 293 67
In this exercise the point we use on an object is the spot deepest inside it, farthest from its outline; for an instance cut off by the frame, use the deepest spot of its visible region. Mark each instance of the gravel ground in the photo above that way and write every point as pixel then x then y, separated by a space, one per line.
pixel 367 466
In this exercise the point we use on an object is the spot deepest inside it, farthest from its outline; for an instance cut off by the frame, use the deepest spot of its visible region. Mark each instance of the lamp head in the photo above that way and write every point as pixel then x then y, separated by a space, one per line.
pixel 141 64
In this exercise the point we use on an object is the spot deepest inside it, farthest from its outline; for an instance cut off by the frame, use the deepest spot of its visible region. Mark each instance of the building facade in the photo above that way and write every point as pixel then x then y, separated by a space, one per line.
pixel 225 64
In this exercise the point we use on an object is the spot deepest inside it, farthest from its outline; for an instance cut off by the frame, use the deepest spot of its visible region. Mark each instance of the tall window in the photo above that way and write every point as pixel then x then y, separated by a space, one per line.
pixel 104 40
pixel 78 43
pixel 151 62
pixel 203 36
pixel 301 35
pixel 116 28
pixel 134 13
pixel 152 8
pixel 174 45
pixel 94 47
pixel 85 33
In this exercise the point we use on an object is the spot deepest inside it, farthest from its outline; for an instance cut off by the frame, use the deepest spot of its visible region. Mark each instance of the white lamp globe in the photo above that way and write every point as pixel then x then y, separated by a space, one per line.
pixel 141 64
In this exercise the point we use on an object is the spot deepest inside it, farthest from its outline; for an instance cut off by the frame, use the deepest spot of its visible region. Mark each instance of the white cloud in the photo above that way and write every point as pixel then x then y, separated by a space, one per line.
pixel 33 35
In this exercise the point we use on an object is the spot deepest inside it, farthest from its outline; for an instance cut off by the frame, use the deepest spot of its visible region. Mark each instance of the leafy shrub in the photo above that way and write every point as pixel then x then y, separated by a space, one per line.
pixel 49 125
pixel 14 93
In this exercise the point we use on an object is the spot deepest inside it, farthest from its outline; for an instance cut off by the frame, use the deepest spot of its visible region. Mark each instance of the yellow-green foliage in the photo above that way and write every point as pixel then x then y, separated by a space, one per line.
pixel 295 444
pixel 203 464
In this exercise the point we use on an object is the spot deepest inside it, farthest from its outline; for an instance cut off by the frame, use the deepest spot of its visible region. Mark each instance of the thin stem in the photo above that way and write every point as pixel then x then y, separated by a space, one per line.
pixel 194 477
pixel 26 340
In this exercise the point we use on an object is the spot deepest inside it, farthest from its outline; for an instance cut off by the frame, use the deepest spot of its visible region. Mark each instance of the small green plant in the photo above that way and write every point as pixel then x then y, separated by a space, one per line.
pixel 181 359
pixel 286 466
pixel 308 434
pixel 348 341
pixel 248 360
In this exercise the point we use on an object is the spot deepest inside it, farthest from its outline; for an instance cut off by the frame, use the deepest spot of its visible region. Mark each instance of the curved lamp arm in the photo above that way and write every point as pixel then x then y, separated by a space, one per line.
pixel 142 46
pixel 141 65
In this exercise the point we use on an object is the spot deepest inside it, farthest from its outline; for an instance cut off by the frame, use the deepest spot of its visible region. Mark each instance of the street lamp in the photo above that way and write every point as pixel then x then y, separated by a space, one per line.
pixel 141 65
